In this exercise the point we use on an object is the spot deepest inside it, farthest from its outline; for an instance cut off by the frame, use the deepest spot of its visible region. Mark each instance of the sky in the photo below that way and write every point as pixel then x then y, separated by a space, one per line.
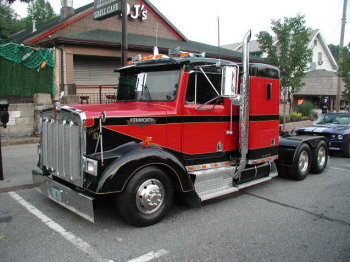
pixel 198 20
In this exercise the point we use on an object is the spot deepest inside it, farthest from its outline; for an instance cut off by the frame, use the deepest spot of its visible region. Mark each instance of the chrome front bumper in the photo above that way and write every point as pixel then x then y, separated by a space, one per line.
pixel 75 201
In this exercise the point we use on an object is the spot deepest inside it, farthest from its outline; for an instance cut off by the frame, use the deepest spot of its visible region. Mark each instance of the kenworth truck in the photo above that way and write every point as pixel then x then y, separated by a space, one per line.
pixel 186 127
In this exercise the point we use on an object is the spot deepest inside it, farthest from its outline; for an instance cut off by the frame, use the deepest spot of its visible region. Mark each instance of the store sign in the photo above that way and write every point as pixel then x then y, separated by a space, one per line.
pixel 108 8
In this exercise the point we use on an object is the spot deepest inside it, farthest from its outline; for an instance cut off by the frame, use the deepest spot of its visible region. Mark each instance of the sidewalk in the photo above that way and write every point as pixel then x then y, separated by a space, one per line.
pixel 18 162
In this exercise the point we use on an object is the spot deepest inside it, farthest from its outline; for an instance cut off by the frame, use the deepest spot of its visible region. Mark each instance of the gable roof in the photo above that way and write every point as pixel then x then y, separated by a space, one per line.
pixel 142 42
pixel 53 23
pixel 57 23
pixel 317 33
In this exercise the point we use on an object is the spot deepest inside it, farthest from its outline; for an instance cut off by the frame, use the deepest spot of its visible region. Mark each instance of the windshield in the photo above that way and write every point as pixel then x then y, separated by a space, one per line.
pixel 149 86
pixel 333 119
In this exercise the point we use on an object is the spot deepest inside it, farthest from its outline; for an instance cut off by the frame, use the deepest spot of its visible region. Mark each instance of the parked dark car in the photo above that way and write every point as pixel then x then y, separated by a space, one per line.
pixel 335 127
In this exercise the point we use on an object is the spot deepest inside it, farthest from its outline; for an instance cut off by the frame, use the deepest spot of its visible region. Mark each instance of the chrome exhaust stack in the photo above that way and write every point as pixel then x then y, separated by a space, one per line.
pixel 244 108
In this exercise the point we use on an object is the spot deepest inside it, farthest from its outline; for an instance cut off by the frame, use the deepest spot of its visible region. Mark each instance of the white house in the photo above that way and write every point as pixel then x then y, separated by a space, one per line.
pixel 320 79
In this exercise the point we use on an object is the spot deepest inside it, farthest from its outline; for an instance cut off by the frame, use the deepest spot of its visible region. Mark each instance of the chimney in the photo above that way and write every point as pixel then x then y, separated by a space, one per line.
pixel 67 9
pixel 34 26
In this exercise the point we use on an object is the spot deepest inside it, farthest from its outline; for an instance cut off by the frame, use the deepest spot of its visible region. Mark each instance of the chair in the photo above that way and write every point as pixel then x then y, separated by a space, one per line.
pixel 111 98
pixel 84 99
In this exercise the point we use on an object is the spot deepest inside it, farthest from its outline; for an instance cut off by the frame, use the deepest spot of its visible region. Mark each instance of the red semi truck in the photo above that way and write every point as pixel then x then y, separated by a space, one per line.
pixel 185 127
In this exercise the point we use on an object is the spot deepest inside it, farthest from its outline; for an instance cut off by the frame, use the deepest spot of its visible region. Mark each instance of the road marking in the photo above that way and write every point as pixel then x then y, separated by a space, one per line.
pixel 76 241
pixel 149 256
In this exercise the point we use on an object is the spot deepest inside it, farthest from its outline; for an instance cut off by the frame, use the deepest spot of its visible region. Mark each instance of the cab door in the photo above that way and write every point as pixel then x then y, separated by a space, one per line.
pixel 206 119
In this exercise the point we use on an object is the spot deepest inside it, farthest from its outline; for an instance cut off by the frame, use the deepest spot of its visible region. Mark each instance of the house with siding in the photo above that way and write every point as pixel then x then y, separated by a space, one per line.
pixel 320 80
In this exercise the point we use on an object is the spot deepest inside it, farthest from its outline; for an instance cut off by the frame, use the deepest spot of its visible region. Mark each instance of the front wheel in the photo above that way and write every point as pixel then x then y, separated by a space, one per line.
pixel 302 164
pixel 319 158
pixel 147 197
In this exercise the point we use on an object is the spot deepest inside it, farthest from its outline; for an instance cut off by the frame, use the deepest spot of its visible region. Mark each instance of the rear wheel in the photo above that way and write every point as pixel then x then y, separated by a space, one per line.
pixel 346 150
pixel 319 158
pixel 147 198
pixel 302 164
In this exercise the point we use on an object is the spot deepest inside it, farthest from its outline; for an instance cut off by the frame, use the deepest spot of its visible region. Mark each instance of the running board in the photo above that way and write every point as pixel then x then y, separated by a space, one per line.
pixel 217 182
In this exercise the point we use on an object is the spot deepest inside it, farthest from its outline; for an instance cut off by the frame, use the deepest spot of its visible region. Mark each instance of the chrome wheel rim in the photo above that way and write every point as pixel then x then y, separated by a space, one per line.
pixel 303 161
pixel 150 196
pixel 321 156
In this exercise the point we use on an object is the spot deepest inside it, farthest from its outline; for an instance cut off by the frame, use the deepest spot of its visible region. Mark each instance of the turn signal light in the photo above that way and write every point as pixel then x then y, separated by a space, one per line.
pixel 147 141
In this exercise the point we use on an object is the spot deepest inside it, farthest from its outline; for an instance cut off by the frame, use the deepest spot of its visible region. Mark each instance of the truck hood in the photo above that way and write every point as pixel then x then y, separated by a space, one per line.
pixel 122 109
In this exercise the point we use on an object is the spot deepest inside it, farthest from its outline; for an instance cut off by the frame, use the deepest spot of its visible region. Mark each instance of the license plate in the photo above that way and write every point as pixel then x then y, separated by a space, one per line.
pixel 56 194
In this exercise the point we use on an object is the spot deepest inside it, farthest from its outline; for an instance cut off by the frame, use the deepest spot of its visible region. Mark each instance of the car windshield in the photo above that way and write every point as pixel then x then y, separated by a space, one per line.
pixel 333 119
pixel 149 86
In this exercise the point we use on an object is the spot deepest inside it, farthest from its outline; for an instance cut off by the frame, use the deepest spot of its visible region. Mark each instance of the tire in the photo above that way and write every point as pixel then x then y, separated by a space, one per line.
pixel 346 150
pixel 147 197
pixel 319 158
pixel 302 164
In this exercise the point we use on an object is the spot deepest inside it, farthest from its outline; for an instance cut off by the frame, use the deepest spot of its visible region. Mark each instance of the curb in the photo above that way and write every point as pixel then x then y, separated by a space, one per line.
pixel 11 141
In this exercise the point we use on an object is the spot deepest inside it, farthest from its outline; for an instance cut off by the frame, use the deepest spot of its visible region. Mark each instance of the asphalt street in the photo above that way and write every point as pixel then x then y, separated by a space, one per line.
pixel 281 220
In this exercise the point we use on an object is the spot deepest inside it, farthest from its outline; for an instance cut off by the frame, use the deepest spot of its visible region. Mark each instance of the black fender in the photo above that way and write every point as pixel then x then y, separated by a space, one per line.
pixel 290 145
pixel 119 172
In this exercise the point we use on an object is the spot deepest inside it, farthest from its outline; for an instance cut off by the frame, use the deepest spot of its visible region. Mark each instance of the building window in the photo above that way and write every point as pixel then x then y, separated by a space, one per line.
pixel 320 62
pixel 315 42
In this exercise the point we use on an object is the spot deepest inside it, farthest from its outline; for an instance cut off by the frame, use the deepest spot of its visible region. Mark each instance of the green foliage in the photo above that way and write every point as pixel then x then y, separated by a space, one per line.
pixel 344 70
pixel 294 117
pixel 305 108
pixel 7 17
pixel 23 1
pixel 289 50
pixel 40 11
pixel 335 51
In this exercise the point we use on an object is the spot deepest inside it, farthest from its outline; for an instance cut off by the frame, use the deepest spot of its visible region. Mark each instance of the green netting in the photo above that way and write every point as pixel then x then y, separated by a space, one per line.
pixel 21 73
pixel 30 56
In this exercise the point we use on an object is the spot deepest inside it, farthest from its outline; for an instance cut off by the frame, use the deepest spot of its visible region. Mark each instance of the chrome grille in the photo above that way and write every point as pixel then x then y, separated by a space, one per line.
pixel 61 148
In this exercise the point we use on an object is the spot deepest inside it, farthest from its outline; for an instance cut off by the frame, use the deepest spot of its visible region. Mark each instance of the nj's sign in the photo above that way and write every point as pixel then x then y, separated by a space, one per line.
pixel 108 8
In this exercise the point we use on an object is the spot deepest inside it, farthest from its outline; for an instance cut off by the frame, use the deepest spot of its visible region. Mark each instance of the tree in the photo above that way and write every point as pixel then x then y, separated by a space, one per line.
pixel 40 11
pixel 344 70
pixel 24 1
pixel 335 51
pixel 288 51
pixel 7 17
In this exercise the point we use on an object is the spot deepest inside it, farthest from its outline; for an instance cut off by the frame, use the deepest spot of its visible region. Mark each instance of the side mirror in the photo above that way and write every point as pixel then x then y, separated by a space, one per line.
pixel 4 114
pixel 229 81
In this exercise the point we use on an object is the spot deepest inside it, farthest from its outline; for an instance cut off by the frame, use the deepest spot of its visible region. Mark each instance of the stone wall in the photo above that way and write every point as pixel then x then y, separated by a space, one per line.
pixel 24 118
pixel 21 122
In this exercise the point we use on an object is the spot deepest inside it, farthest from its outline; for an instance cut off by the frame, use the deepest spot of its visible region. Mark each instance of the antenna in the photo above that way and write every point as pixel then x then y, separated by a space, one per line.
pixel 219 37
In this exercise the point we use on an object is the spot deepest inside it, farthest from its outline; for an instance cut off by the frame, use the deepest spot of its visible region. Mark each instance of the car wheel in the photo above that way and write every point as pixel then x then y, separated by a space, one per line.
pixel 346 150
pixel 302 164
pixel 319 158
pixel 147 197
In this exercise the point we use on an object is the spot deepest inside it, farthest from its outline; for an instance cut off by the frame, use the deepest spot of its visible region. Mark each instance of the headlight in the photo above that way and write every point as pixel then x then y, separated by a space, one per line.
pixel 90 166
pixel 339 137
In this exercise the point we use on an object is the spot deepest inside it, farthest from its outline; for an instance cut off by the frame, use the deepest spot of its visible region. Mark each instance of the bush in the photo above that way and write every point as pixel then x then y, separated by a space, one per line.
pixel 294 117
pixel 305 108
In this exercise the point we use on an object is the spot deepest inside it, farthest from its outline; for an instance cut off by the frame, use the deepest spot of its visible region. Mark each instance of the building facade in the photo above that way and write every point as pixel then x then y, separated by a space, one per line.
pixel 89 50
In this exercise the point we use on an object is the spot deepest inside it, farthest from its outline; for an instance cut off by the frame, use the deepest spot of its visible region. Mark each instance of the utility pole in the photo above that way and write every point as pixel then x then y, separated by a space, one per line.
pixel 341 45
pixel 124 32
